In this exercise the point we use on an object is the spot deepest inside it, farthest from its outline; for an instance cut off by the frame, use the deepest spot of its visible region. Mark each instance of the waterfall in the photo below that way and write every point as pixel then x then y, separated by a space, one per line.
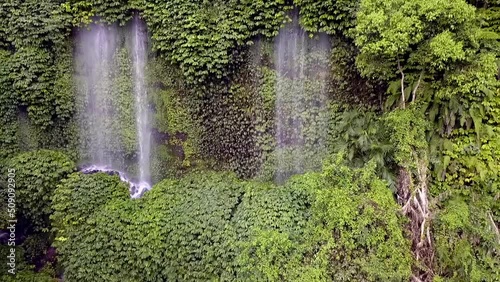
pixel 112 111
pixel 139 51
pixel 301 111
pixel 94 55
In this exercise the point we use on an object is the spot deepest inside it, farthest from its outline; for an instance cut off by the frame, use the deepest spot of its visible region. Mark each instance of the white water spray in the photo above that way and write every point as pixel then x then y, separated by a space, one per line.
pixel 301 115
pixel 139 53
pixel 104 146
pixel 94 56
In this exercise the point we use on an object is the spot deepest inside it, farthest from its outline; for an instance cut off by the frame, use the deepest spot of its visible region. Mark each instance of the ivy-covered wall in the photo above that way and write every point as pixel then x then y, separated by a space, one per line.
pixel 411 103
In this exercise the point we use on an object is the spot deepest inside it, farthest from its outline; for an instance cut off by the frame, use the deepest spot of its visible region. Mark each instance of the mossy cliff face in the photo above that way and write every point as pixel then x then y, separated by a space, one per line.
pixel 411 101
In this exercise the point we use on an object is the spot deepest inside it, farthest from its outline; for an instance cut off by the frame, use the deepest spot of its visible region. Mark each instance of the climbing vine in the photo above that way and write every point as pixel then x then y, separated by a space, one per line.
pixel 37 173
pixel 332 17
pixel 203 36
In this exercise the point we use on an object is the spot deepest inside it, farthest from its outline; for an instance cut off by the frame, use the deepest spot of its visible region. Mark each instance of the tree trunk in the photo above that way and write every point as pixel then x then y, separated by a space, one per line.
pixel 414 200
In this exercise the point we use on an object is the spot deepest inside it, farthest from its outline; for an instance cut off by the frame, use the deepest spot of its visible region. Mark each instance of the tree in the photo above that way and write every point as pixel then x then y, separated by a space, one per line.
pixel 397 35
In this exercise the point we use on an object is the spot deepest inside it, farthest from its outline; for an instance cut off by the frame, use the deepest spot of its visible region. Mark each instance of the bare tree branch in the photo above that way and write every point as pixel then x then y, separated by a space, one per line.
pixel 414 93
pixel 403 99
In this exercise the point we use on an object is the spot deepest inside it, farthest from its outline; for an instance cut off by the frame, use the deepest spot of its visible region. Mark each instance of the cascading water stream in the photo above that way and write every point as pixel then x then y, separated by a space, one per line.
pixel 105 107
pixel 301 116
pixel 94 56
pixel 139 51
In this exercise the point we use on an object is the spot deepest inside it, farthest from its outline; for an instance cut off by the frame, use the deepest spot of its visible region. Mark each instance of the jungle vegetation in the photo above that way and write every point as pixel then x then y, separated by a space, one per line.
pixel 409 189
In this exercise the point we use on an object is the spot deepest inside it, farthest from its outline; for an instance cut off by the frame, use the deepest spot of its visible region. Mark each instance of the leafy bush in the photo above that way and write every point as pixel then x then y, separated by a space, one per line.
pixel 327 16
pixel 269 223
pixel 196 224
pixel 467 239
pixel 76 202
pixel 78 196
pixel 37 174
pixel 201 36
pixel 212 226
pixel 355 232
pixel 187 232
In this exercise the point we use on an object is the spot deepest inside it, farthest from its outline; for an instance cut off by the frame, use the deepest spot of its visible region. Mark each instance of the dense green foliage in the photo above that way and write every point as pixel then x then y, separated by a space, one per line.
pixel 466 241
pixel 435 54
pixel 175 120
pixel 333 17
pixel 36 74
pixel 202 36
pixel 410 99
pixel 83 12
pixel 355 219
pixel 213 226
pixel 76 198
pixel 424 36
pixel 37 174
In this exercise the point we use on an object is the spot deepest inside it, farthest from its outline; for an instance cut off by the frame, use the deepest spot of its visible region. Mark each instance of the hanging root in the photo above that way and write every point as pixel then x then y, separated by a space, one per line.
pixel 414 200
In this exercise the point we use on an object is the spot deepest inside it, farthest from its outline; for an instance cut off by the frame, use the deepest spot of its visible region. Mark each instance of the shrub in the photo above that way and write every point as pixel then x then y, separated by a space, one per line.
pixel 37 174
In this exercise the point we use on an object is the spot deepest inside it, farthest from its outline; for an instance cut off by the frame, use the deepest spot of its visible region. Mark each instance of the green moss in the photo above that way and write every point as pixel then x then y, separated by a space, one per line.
pixel 174 118
pixel 124 123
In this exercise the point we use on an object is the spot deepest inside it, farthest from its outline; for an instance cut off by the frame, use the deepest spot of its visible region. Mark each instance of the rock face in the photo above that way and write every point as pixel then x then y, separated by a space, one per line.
pixel 137 189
